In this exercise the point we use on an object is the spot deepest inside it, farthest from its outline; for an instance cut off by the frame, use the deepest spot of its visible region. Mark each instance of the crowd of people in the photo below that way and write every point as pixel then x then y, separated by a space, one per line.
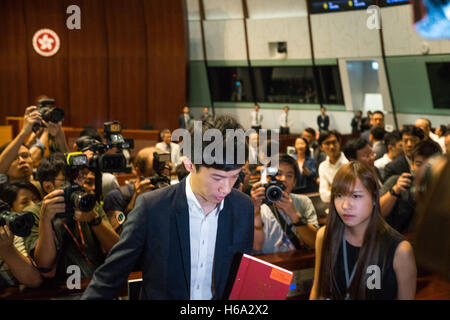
pixel 367 182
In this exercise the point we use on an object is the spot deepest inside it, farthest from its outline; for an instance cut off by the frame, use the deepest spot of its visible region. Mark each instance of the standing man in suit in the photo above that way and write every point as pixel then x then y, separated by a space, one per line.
pixel 173 148
pixel 185 119
pixel 256 118
pixel 185 236
pixel 323 120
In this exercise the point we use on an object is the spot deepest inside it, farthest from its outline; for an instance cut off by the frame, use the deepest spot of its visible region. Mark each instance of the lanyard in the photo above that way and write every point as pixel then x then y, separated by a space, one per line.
pixel 82 247
pixel 348 279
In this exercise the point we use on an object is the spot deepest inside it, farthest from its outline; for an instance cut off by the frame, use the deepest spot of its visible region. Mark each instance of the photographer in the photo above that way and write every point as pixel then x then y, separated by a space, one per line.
pixel 397 201
pixel 123 199
pixel 60 238
pixel 15 266
pixel 16 163
pixel 286 224
pixel 89 137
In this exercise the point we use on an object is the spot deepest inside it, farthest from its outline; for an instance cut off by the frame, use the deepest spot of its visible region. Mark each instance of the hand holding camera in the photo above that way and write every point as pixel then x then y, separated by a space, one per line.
pixel 52 204
pixel 6 240
pixel 31 117
pixel 403 183
pixel 143 185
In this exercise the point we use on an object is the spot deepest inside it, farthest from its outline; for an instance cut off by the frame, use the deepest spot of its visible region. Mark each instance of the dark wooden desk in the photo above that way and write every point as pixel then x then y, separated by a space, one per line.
pixel 291 260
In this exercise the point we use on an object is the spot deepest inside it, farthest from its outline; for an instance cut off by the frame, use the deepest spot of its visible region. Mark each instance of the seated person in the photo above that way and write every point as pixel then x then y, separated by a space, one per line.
pixel 61 237
pixel 330 143
pixel 288 224
pixel 360 150
pixel 393 142
pixel 310 135
pixel 168 146
pixel 398 198
pixel 411 136
pixel 307 166
pixel 122 200
pixel 15 266
pixel 376 138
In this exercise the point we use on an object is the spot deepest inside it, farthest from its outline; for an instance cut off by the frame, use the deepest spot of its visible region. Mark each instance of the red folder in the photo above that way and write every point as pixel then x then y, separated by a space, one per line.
pixel 259 280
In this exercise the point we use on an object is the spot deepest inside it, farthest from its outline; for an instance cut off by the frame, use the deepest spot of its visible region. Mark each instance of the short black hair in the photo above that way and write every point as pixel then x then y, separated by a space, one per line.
pixel 426 149
pixel 352 146
pixel 411 130
pixel 50 167
pixel 392 138
pixel 10 191
pixel 378 112
pixel 287 159
pixel 378 133
pixel 310 131
pixel 92 132
pixel 325 134
pixel 222 123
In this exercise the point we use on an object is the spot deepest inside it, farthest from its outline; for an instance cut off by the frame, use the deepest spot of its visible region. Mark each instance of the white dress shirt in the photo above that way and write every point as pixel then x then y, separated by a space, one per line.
pixel 285 120
pixel 203 232
pixel 174 150
pixel 327 171
pixel 382 162
pixel 256 118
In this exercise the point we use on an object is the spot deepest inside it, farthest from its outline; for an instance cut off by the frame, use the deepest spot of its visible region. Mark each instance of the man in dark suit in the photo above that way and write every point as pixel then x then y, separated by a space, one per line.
pixel 185 119
pixel 184 236
pixel 411 136
pixel 323 120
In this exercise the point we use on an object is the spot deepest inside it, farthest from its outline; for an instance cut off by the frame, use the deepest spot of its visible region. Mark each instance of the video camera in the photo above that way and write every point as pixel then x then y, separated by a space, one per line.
pixel 274 188
pixel 75 196
pixel 20 223
pixel 160 161
pixel 48 114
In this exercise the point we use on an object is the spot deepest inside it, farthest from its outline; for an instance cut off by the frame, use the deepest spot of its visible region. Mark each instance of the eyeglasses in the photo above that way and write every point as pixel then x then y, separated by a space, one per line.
pixel 329 143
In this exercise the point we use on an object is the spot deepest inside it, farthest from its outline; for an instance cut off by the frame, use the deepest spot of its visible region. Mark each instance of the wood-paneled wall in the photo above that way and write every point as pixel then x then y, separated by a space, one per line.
pixel 128 62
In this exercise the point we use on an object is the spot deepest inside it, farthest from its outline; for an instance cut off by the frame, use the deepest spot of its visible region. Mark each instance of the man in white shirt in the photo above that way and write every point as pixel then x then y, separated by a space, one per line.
pixel 329 142
pixel 168 146
pixel 256 118
pixel 185 236
pixel 285 121
pixel 393 142
pixel 425 125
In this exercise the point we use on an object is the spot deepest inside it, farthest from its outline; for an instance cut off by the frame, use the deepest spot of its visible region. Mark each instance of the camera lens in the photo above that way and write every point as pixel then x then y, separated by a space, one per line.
pixel 274 193
pixel 20 223
pixel 83 201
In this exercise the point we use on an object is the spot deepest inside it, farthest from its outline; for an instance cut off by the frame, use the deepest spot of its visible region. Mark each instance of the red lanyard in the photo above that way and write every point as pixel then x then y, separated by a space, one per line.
pixel 81 248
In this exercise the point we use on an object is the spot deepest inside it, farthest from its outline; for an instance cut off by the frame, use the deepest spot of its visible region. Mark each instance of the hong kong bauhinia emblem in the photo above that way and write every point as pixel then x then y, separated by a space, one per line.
pixel 46 42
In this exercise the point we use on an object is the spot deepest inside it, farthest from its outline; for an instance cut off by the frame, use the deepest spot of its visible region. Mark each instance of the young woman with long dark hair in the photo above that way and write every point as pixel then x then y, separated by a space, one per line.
pixel 358 255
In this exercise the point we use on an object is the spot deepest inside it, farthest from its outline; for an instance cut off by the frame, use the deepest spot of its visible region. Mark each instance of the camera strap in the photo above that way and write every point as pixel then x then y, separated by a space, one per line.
pixel 82 247
pixel 286 227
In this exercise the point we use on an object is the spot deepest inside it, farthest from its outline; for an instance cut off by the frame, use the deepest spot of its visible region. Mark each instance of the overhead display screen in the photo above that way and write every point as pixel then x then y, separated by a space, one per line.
pixel 320 6
pixel 388 3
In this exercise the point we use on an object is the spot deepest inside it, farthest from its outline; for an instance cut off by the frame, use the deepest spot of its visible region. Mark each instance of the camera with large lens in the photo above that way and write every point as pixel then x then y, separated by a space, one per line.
pixel 274 187
pixel 49 112
pixel 20 223
pixel 160 163
pixel 76 198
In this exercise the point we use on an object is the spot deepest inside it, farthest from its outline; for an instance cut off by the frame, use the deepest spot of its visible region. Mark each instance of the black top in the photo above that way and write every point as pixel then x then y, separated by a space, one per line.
pixel 388 288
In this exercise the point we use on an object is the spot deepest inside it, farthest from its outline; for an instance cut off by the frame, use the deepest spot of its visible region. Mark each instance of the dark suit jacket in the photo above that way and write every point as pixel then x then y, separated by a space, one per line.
pixel 323 123
pixel 157 235
pixel 182 123
pixel 396 167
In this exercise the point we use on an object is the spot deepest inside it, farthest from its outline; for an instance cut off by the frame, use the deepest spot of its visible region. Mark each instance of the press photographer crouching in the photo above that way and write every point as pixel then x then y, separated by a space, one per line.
pixel 149 167
pixel 15 266
pixel 283 221
pixel 70 227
